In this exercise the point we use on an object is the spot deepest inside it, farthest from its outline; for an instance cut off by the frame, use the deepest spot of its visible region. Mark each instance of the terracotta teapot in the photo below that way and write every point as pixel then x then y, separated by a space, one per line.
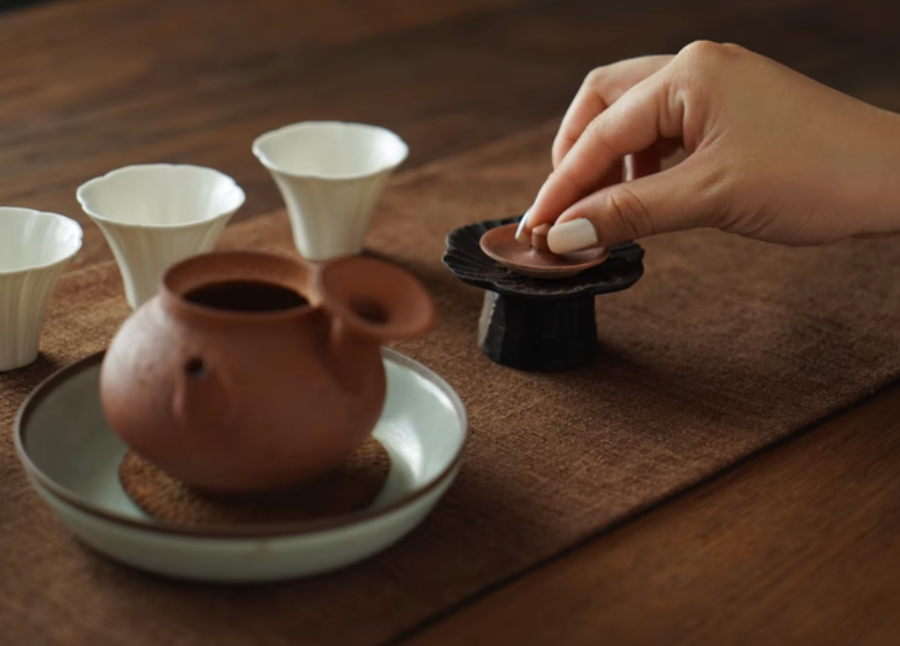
pixel 251 372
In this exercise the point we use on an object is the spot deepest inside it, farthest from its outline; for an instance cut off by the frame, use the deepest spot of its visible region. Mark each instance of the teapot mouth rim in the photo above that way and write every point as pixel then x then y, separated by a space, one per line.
pixel 177 283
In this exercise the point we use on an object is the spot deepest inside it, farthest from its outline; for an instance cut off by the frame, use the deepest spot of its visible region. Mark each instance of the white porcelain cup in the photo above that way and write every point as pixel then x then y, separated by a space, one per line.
pixel 154 215
pixel 35 248
pixel 330 174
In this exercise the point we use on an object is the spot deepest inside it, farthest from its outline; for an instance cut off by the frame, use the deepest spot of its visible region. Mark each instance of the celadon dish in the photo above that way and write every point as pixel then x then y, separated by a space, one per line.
pixel 72 458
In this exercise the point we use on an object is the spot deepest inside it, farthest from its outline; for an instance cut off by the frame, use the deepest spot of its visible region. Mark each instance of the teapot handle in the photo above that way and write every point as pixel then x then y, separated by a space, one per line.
pixel 200 399
pixel 375 299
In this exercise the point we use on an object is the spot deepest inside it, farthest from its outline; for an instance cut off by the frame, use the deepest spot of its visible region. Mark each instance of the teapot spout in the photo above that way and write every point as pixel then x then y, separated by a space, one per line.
pixel 200 400
pixel 370 302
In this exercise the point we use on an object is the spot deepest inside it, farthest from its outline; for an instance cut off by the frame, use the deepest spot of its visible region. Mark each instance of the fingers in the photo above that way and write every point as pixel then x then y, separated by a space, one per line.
pixel 601 88
pixel 634 123
pixel 675 199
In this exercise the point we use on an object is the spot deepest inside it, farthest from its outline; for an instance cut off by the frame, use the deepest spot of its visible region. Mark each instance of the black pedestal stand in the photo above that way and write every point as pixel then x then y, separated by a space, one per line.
pixel 532 323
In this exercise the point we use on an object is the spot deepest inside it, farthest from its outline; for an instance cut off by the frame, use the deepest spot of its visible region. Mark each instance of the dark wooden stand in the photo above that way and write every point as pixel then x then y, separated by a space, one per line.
pixel 531 323
pixel 530 334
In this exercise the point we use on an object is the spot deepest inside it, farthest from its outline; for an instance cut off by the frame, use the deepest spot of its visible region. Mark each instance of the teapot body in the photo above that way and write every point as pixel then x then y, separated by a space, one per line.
pixel 238 377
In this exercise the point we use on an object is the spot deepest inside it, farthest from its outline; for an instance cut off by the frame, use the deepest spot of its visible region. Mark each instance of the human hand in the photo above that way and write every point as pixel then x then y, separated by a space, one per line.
pixel 772 155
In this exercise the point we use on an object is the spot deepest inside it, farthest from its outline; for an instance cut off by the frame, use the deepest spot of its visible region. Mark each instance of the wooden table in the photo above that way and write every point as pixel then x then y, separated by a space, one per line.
pixel 797 544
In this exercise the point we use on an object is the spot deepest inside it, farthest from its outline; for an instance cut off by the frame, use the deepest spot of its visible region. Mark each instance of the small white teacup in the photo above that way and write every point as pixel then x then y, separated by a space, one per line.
pixel 154 215
pixel 331 175
pixel 35 248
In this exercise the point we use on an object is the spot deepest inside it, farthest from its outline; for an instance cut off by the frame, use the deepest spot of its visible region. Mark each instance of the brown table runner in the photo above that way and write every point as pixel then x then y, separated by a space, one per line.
pixel 725 346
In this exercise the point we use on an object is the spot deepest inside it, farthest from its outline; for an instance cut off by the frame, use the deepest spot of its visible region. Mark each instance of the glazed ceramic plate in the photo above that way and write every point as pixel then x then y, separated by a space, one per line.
pixel 72 459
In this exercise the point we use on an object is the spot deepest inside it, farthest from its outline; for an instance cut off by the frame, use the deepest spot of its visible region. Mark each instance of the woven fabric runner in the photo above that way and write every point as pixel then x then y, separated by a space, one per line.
pixel 725 346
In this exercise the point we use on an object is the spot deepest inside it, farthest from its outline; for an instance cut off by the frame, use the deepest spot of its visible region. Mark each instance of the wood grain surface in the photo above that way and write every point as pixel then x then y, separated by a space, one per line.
pixel 798 545
pixel 90 85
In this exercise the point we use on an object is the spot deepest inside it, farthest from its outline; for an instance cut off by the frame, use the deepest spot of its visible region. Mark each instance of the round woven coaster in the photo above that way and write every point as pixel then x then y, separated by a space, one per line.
pixel 353 485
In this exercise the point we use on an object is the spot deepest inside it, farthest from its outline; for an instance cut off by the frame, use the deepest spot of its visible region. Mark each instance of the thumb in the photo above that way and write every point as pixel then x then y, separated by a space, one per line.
pixel 672 200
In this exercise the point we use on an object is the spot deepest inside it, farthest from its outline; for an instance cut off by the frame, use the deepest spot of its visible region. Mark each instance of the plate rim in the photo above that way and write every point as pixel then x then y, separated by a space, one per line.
pixel 274 530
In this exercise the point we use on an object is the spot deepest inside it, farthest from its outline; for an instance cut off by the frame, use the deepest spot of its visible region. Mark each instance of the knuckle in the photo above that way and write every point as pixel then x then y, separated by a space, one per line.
pixel 595 78
pixel 628 213
pixel 609 82
pixel 597 84
pixel 704 64
pixel 734 48
pixel 705 52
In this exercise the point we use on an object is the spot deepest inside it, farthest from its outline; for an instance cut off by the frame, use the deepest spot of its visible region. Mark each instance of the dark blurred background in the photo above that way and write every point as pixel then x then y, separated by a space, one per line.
pixel 90 85
pixel 13 4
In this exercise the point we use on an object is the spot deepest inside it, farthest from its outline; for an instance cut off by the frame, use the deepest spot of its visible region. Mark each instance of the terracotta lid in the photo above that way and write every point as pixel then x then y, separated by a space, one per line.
pixel 536 260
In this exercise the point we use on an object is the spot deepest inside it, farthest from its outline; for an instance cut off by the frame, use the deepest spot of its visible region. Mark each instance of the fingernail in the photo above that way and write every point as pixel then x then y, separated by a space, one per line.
pixel 520 232
pixel 571 236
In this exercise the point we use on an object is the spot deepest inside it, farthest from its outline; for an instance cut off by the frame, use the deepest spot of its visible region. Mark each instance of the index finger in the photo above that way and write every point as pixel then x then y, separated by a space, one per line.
pixel 643 115
pixel 600 89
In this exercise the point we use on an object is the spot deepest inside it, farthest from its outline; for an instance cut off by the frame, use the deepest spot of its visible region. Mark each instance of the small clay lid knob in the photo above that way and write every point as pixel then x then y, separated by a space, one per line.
pixel 533 258
pixel 539 239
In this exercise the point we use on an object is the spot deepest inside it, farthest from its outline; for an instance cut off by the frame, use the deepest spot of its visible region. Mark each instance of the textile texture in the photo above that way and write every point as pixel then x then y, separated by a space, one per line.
pixel 725 346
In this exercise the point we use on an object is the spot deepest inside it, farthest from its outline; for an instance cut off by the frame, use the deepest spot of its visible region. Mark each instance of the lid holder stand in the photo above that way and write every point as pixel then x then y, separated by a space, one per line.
pixel 537 324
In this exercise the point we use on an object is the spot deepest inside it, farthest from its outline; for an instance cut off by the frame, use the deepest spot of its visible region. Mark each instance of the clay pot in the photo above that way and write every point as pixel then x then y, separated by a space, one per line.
pixel 251 372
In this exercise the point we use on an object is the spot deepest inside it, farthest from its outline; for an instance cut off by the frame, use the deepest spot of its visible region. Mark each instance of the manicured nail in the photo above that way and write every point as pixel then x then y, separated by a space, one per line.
pixel 571 236
pixel 521 236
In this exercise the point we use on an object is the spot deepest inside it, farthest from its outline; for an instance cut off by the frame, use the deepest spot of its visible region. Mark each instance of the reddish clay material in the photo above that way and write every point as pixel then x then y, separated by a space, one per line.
pixel 537 261
pixel 252 372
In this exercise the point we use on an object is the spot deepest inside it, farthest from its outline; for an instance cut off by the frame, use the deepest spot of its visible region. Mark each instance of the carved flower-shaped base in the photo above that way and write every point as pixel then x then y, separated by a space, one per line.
pixel 536 323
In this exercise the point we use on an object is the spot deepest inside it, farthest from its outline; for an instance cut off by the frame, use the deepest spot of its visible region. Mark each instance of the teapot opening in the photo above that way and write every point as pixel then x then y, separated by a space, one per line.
pixel 374 298
pixel 245 296
pixel 370 311
pixel 195 368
